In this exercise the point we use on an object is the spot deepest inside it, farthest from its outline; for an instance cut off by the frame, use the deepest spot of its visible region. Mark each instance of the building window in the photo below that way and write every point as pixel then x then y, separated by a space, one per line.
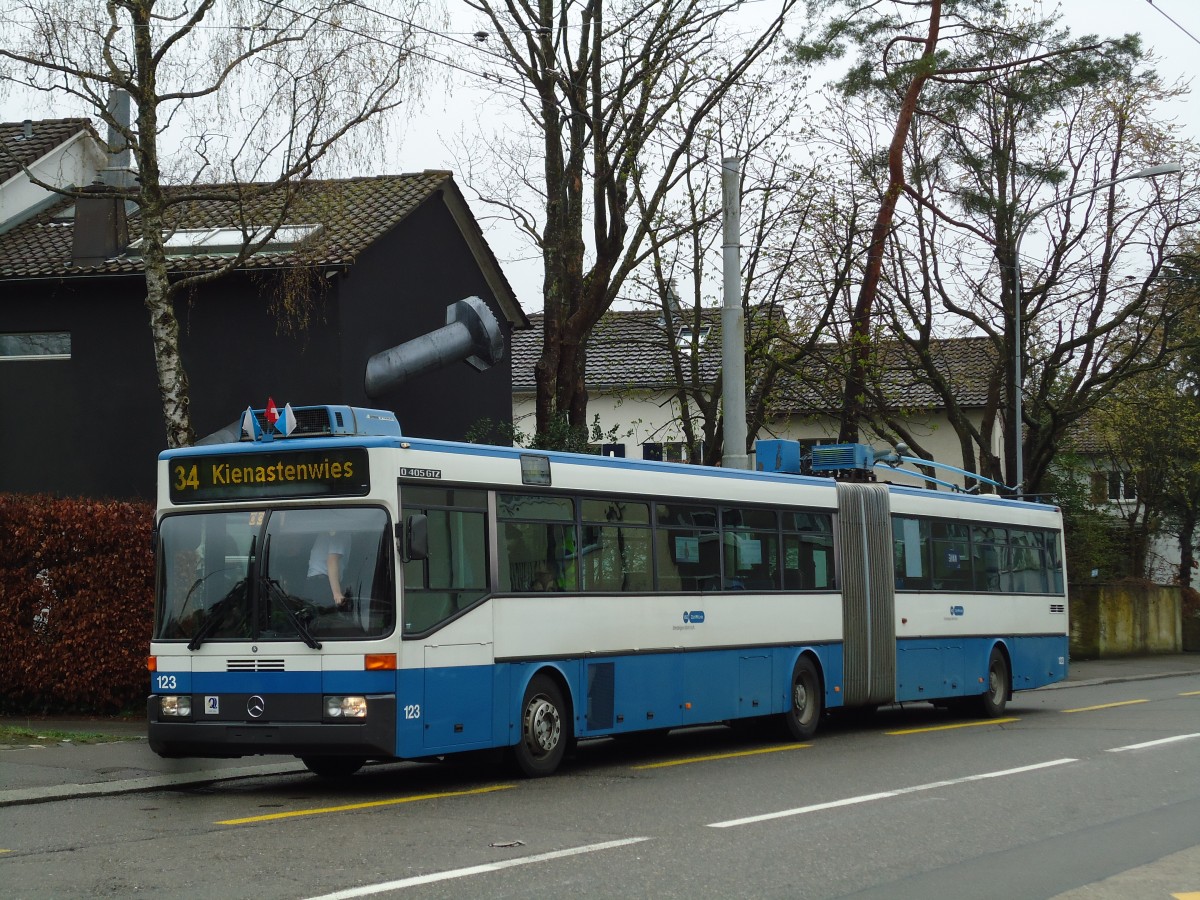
pixel 1122 486
pixel 1113 486
pixel 679 451
pixel 684 339
pixel 670 451
pixel 40 345
pixel 208 241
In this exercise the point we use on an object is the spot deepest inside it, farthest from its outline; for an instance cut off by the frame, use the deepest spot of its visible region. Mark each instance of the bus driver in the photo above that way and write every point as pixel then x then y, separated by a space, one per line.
pixel 325 568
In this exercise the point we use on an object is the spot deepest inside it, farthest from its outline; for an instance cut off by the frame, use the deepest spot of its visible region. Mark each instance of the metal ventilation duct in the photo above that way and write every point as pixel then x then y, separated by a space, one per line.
pixel 471 332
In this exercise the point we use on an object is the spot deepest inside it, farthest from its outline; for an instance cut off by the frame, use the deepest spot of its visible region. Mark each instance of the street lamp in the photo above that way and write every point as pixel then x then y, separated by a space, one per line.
pixel 1018 410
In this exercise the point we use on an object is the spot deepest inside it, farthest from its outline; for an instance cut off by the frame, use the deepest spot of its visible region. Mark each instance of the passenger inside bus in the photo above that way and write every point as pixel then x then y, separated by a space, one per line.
pixel 325 569
pixel 543 579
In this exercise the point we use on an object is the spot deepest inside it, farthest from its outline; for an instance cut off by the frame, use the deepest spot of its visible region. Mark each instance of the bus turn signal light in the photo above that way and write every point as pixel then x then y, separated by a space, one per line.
pixel 378 662
pixel 152 663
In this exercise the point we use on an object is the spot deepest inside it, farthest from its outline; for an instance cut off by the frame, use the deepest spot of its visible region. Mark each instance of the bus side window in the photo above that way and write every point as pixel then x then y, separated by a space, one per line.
pixel 750 538
pixel 807 551
pixel 454 573
pixel 910 549
pixel 951 549
pixel 615 556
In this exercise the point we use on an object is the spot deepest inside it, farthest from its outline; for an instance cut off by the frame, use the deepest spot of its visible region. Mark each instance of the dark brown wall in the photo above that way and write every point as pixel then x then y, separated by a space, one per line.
pixel 399 290
pixel 92 425
pixel 89 425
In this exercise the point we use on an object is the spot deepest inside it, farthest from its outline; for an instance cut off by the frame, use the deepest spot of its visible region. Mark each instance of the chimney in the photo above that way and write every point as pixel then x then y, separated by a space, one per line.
pixel 100 228
pixel 118 173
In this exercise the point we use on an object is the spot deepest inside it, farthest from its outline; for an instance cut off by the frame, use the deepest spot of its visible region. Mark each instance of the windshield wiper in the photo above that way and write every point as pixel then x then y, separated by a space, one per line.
pixel 218 614
pixel 279 597
pixel 274 593
pixel 219 609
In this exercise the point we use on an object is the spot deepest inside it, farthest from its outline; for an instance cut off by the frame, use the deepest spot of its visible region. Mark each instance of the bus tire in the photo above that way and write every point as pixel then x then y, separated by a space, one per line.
pixel 332 766
pixel 805 707
pixel 545 729
pixel 990 704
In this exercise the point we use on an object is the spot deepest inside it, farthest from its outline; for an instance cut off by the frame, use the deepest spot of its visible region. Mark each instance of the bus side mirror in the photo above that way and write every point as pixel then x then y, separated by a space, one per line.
pixel 413 537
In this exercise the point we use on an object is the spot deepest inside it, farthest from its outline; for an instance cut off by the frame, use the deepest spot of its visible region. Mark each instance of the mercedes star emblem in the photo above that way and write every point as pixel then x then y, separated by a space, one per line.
pixel 256 706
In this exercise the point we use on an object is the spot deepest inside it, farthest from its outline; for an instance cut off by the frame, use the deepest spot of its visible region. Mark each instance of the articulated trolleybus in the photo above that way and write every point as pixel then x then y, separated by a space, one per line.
pixel 343 593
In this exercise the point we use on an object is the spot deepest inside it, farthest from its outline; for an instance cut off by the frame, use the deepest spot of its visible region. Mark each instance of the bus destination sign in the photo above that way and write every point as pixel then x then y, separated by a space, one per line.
pixel 339 471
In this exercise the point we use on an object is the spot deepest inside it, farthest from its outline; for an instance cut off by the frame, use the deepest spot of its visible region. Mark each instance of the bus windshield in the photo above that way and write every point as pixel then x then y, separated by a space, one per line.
pixel 285 574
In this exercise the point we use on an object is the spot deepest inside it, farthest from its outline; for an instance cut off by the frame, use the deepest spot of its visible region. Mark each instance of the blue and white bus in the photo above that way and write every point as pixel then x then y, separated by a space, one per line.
pixel 346 593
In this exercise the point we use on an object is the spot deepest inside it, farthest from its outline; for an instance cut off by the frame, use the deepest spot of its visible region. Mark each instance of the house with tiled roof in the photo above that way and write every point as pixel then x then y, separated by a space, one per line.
pixel 631 377
pixel 60 152
pixel 633 389
pixel 356 266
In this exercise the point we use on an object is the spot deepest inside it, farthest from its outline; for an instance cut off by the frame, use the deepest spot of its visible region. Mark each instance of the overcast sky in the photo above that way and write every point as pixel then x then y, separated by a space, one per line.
pixel 433 128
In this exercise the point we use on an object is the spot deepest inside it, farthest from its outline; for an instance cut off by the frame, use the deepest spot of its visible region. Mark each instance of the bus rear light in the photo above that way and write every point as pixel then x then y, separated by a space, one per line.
pixel 152 663
pixel 345 707
pixel 378 662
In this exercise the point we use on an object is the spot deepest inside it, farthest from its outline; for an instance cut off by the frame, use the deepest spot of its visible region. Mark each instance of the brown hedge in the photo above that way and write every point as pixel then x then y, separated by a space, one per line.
pixel 76 602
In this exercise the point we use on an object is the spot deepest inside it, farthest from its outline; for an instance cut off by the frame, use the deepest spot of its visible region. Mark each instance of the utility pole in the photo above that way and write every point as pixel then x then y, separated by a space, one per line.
pixel 733 321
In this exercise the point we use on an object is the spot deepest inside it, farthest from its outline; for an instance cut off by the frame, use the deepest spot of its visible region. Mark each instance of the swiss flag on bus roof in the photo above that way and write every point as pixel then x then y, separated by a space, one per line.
pixel 271 412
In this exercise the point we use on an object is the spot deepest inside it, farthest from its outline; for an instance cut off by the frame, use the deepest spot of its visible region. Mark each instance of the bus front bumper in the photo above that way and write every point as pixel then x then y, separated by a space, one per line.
pixel 373 738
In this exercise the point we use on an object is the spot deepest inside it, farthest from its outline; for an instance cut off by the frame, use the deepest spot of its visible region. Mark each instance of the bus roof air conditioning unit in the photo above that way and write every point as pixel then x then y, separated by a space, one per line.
pixel 839 457
pixel 777 456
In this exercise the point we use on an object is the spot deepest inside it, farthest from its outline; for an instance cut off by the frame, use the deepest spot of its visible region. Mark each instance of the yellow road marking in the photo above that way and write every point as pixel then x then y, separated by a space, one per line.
pixel 1191 694
pixel 369 805
pixel 5 851
pixel 1190 895
pixel 715 756
pixel 955 725
pixel 1105 706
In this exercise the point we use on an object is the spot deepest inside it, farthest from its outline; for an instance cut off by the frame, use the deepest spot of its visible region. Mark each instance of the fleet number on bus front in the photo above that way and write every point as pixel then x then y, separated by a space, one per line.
pixel 165 682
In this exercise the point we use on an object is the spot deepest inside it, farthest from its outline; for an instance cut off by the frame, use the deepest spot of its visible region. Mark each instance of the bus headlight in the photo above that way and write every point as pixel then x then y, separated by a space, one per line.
pixel 345 707
pixel 176 706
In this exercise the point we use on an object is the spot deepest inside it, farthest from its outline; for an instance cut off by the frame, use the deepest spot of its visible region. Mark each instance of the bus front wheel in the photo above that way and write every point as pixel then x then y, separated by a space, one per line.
pixel 804 715
pixel 545 728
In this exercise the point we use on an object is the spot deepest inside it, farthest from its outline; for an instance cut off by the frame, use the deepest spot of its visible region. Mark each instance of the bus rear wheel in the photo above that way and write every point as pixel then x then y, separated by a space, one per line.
pixel 804 713
pixel 332 766
pixel 545 729
pixel 990 704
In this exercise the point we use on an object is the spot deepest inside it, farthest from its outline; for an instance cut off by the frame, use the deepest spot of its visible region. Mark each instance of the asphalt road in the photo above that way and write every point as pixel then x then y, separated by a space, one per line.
pixel 1088 792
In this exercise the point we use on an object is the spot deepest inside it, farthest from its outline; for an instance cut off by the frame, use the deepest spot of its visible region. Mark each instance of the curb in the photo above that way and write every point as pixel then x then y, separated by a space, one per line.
pixel 1113 679
pixel 26 796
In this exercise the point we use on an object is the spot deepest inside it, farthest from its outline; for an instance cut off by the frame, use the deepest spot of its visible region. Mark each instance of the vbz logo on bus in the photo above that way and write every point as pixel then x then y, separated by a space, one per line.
pixel 693 618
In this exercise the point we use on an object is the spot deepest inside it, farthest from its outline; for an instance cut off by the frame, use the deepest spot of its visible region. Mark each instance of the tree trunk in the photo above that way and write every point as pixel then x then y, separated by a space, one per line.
pixel 860 321
pixel 164 325
pixel 1187 553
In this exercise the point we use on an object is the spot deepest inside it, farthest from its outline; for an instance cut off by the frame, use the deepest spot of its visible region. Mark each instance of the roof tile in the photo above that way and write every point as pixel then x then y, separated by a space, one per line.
pixel 630 349
pixel 17 150
pixel 354 212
